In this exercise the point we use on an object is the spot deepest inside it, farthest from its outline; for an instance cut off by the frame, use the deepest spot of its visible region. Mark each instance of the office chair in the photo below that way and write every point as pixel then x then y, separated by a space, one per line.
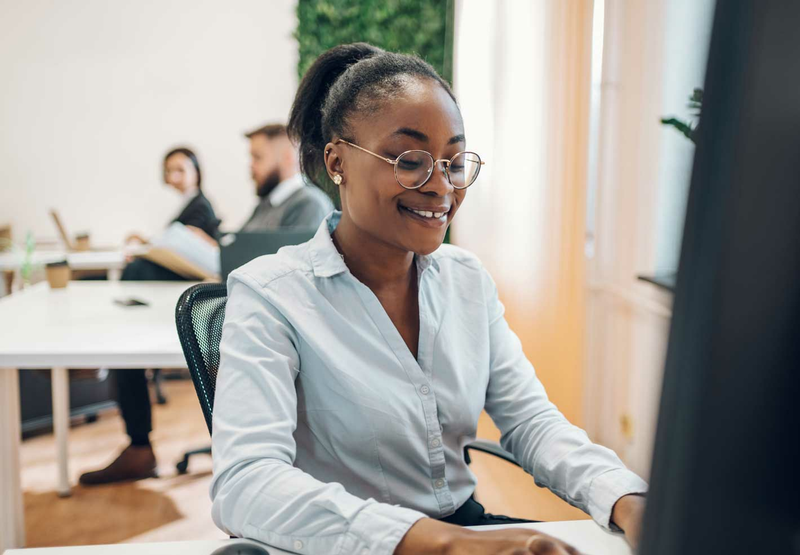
pixel 199 316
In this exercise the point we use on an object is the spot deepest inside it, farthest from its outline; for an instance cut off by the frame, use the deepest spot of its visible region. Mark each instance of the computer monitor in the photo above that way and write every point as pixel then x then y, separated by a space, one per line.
pixel 237 249
pixel 726 467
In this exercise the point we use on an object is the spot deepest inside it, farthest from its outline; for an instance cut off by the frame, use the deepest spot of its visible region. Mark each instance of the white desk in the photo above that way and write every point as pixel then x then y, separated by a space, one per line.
pixel 584 535
pixel 112 261
pixel 76 327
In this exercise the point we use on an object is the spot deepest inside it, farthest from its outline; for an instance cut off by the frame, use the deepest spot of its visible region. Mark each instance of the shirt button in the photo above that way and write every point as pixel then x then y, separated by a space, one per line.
pixel 435 443
pixel 439 483
pixel 424 389
pixel 298 545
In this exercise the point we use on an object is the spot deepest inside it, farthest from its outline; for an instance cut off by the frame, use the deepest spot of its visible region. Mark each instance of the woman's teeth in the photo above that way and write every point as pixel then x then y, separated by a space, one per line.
pixel 427 213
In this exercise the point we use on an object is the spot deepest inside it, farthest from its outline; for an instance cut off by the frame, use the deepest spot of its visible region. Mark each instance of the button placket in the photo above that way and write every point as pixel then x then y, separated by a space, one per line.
pixel 436 456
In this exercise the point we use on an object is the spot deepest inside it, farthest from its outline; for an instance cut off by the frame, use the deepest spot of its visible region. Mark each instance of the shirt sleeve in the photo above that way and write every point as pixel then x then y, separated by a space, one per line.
pixel 560 456
pixel 256 491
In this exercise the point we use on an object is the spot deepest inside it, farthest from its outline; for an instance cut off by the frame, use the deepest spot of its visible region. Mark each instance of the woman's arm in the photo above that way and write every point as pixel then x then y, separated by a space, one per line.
pixel 559 455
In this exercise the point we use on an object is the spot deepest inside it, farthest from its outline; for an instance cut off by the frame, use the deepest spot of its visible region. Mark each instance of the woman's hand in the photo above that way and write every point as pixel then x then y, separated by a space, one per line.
pixel 431 537
pixel 135 238
pixel 628 513
pixel 511 541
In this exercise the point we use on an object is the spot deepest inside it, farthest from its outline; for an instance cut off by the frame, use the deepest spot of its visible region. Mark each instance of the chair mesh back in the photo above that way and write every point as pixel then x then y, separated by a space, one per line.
pixel 199 316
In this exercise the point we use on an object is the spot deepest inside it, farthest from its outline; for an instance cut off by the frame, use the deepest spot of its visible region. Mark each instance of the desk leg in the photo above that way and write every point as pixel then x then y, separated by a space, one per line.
pixel 60 381
pixel 114 275
pixel 12 515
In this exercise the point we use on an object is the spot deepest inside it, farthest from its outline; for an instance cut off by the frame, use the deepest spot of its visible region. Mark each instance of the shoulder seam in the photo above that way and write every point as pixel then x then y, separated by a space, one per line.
pixel 247 276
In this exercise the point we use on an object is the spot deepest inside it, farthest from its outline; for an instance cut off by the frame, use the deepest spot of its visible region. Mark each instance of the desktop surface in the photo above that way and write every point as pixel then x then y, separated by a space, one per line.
pixel 584 535
pixel 81 326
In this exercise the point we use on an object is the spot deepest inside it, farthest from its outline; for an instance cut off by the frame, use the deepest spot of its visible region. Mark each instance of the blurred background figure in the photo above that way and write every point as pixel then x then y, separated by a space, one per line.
pixel 137 461
pixel 286 198
pixel 182 173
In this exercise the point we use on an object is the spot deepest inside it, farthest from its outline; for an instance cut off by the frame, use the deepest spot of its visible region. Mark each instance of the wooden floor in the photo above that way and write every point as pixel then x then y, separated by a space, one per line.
pixel 175 507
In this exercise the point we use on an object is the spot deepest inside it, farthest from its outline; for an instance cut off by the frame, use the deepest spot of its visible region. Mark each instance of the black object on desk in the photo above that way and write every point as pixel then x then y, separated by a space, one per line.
pixel 131 301
pixel 241 548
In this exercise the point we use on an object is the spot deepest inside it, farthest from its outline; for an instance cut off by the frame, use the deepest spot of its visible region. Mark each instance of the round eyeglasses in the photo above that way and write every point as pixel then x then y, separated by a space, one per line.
pixel 413 168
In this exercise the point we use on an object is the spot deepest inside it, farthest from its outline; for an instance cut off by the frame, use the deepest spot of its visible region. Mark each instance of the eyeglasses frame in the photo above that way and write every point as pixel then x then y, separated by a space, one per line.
pixel 435 163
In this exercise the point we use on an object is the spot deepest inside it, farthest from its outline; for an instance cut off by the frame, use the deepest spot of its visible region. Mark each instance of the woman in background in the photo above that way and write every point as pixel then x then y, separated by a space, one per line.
pixel 181 173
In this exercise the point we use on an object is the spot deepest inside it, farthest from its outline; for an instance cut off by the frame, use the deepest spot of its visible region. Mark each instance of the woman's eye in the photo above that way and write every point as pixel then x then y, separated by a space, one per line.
pixel 456 169
pixel 408 164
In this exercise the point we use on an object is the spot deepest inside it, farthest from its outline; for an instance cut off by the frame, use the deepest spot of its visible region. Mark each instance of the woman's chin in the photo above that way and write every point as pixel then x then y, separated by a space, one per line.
pixel 428 246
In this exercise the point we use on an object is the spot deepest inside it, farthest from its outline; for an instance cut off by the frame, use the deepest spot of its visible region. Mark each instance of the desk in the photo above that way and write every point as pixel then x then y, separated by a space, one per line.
pixel 112 261
pixel 584 535
pixel 76 327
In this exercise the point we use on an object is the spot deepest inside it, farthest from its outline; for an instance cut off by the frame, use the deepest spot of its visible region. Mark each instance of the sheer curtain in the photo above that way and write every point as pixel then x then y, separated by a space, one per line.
pixel 522 77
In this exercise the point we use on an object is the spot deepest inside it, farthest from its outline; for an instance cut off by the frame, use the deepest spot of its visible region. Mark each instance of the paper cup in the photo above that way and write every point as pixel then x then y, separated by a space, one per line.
pixel 58 274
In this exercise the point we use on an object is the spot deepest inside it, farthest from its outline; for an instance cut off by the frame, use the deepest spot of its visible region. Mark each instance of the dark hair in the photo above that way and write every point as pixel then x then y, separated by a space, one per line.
pixel 346 79
pixel 191 156
pixel 270 131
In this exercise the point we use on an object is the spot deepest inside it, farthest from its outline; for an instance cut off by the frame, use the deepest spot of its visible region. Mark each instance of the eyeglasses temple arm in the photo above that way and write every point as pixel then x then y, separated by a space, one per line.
pixel 392 162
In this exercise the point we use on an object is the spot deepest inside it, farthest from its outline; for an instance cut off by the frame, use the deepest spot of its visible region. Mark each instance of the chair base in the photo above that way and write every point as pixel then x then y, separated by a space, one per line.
pixel 183 466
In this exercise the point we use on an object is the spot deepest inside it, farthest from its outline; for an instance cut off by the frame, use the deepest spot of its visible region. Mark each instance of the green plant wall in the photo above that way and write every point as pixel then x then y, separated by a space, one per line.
pixel 421 27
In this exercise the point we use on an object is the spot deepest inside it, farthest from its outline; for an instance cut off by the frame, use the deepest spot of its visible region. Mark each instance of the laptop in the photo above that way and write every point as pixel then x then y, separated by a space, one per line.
pixel 73 245
pixel 237 249
pixel 62 231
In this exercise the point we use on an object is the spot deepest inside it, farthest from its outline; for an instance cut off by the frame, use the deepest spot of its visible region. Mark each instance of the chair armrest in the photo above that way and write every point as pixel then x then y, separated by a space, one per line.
pixel 491 447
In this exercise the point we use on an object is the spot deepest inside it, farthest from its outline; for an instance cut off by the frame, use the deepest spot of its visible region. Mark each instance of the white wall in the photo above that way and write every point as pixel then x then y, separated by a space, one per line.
pixel 94 92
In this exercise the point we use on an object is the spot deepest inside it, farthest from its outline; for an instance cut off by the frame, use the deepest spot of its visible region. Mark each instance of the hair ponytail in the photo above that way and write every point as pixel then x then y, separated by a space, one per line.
pixel 306 122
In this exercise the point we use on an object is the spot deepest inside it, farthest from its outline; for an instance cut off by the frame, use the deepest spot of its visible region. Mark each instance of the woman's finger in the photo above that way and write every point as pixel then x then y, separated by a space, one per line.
pixel 543 545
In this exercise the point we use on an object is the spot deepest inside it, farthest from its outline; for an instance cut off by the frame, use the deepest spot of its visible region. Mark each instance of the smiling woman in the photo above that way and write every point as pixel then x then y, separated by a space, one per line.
pixel 354 368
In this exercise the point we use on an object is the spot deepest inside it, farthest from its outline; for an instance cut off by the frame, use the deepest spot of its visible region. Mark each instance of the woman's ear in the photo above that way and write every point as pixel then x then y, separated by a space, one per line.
pixel 334 164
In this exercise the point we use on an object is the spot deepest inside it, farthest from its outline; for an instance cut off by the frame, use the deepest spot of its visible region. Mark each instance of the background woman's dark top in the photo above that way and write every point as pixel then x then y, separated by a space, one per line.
pixel 199 213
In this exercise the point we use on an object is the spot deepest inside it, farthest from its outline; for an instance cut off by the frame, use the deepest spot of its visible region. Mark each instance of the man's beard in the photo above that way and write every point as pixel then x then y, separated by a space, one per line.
pixel 269 183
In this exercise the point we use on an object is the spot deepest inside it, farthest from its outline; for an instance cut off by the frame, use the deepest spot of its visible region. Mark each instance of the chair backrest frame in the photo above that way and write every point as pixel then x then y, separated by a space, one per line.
pixel 199 316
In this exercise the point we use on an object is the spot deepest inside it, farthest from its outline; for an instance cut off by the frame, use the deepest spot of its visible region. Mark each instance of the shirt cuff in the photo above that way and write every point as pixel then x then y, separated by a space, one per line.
pixel 607 488
pixel 377 529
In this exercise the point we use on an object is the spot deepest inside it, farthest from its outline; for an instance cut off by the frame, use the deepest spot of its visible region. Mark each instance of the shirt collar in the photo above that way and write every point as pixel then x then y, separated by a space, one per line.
pixel 285 189
pixel 326 260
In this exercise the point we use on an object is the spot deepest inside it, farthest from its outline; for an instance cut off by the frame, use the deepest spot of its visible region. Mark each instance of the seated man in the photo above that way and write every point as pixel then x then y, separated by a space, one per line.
pixel 287 200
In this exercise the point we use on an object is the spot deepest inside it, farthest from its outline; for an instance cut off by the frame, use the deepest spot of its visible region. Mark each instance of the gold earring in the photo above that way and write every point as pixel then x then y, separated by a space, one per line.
pixel 337 179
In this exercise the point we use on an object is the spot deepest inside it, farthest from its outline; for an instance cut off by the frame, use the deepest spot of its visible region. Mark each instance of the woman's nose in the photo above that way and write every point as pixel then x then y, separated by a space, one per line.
pixel 438 183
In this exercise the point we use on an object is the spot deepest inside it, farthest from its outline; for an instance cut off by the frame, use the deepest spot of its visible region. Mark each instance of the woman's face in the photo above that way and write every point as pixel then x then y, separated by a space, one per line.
pixel 424 117
pixel 180 173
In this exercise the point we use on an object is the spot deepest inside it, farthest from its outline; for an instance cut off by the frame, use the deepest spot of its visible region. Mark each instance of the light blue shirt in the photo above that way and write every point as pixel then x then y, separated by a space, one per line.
pixel 330 437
